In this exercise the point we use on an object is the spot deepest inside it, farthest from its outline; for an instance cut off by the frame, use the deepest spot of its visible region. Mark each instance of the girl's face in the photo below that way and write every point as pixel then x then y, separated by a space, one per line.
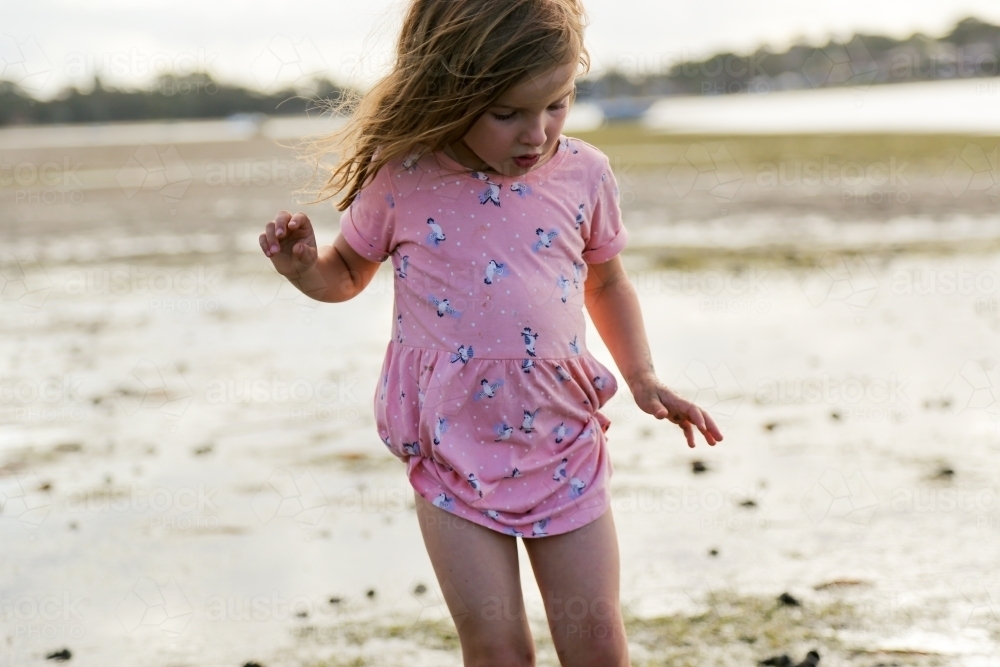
pixel 521 130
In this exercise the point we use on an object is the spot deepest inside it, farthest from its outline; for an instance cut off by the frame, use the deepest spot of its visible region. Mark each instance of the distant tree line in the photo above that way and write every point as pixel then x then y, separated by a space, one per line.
pixel 972 49
pixel 191 96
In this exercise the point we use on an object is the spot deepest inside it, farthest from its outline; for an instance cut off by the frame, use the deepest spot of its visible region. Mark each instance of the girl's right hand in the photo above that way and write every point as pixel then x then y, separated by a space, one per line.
pixel 290 242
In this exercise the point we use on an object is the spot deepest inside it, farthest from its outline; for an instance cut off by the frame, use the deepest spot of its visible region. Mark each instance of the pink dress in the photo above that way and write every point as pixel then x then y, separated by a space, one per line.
pixel 488 392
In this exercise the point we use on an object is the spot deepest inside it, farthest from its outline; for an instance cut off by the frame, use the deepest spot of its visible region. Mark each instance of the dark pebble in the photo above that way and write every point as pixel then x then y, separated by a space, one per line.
pixel 788 600
pixel 370 593
pixel 252 664
pixel 334 600
pixel 302 614
pixel 698 466
pixel 713 552
pixel 748 503
pixel 812 659
pixel 61 656
pixel 945 473
pixel 835 416
pixel 419 589
pixel 770 426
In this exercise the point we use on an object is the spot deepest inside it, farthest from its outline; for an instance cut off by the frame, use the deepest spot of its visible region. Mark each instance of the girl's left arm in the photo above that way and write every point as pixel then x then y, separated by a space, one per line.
pixel 614 307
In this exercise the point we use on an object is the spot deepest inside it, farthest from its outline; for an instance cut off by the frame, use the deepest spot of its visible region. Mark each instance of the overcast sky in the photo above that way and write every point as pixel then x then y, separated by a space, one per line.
pixel 47 44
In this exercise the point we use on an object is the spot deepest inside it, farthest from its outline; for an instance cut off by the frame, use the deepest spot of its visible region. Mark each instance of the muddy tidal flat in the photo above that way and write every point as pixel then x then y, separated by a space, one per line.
pixel 190 474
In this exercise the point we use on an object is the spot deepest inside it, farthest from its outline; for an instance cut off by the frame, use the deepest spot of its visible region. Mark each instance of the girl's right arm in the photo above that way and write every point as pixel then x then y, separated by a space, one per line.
pixel 333 273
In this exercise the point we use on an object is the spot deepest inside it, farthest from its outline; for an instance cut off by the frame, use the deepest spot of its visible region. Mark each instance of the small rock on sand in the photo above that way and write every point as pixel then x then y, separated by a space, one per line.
pixel 788 600
pixel 811 660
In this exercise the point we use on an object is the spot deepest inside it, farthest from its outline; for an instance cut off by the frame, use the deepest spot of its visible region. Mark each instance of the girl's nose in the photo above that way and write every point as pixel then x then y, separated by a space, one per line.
pixel 534 133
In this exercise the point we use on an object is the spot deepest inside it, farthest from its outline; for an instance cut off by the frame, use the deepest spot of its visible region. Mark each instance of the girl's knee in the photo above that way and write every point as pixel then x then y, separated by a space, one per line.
pixel 495 653
pixel 588 642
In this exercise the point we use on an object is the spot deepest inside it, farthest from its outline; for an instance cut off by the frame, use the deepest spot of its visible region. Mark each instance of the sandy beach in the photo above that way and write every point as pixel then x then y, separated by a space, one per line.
pixel 190 474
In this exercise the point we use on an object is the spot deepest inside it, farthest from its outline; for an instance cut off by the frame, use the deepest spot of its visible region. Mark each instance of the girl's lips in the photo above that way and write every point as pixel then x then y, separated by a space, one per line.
pixel 526 160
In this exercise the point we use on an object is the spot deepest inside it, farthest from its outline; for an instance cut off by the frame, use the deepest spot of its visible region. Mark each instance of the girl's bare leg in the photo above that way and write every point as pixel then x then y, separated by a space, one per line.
pixel 578 576
pixel 477 569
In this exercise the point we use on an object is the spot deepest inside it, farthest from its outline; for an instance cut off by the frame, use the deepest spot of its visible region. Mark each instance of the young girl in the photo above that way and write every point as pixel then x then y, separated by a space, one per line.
pixel 500 230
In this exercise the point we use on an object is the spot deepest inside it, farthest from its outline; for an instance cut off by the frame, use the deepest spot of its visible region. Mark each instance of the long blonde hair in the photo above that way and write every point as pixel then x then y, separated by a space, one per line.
pixel 454 59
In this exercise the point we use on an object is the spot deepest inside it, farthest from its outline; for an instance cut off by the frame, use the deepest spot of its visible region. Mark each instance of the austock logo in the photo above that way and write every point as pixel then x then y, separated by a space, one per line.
pixel 977 599
pixel 287 62
pixel 25 498
pixel 975 170
pixel 150 169
pixel 152 387
pixel 848 64
pixel 834 496
pixel 976 389
pixel 23 281
pixel 152 605
pixel 24 63
pixel 841 278
pixel 714 389
pixel 285 494
pixel 707 167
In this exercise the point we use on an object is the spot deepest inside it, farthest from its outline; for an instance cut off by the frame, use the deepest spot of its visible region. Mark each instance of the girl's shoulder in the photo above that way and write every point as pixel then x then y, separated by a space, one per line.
pixel 410 162
pixel 583 158
pixel 581 150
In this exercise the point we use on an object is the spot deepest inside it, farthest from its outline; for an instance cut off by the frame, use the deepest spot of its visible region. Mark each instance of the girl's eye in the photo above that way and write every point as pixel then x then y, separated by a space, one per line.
pixel 508 116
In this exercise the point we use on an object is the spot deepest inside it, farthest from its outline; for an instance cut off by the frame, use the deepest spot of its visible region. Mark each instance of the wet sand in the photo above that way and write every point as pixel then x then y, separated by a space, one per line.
pixel 190 475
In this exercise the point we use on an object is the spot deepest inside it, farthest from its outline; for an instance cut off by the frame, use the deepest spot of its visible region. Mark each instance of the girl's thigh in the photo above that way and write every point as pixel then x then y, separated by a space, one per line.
pixel 578 577
pixel 477 569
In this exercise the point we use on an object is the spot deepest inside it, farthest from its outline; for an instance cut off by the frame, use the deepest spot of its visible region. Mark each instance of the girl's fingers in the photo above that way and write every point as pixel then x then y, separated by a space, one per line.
pixel 687 416
pixel 712 428
pixel 694 414
pixel 272 241
pixel 699 413
pixel 703 421
pixel 688 433
pixel 263 245
pixel 283 222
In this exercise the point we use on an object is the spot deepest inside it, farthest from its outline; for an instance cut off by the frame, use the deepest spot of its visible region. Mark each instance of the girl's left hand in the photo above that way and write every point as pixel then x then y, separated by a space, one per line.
pixel 656 399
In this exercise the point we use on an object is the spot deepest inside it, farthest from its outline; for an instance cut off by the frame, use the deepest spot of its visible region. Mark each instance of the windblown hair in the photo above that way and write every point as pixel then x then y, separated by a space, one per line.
pixel 454 59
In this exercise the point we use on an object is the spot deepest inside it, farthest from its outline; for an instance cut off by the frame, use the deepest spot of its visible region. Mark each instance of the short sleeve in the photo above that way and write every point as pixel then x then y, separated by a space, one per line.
pixel 369 222
pixel 607 234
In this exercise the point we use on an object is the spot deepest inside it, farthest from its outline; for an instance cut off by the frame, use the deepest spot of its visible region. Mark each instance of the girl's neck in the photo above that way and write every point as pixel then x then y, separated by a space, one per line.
pixel 465 156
